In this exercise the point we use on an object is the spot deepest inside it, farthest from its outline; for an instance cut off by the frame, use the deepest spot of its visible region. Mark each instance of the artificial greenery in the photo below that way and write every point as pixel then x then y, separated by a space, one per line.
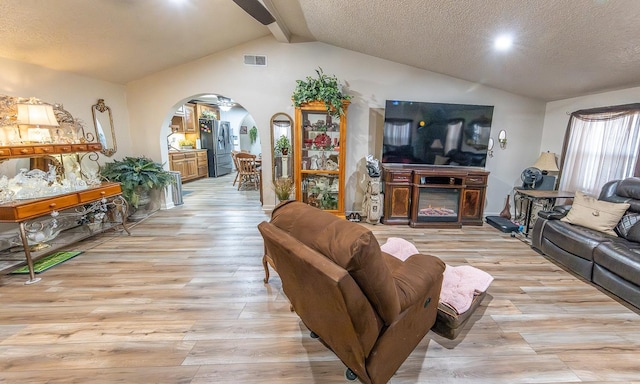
pixel 136 175
pixel 283 188
pixel 208 115
pixel 328 201
pixel 253 134
pixel 324 88
pixel 186 143
pixel 283 145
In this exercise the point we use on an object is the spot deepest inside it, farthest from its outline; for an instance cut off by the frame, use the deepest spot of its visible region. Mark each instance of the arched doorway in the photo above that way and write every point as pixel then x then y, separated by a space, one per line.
pixel 198 144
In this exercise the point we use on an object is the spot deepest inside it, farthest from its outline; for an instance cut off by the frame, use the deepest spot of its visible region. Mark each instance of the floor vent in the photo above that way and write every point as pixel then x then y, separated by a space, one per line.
pixel 257 60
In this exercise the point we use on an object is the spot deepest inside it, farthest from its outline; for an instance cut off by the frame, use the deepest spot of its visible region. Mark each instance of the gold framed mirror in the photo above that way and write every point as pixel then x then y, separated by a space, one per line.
pixel 281 146
pixel 103 123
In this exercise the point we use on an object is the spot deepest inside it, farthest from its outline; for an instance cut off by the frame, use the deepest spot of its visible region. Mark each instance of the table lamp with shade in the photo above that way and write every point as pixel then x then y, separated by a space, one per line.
pixel 546 163
pixel 37 115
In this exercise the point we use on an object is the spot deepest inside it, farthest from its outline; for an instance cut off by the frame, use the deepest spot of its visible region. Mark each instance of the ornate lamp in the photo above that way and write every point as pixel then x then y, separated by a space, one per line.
pixel 38 115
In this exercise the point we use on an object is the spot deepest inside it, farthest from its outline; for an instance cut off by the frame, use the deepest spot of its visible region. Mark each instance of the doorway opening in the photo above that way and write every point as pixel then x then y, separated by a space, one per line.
pixel 204 131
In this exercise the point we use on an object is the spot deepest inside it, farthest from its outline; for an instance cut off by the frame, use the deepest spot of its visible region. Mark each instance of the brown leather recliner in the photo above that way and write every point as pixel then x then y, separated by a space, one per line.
pixel 368 307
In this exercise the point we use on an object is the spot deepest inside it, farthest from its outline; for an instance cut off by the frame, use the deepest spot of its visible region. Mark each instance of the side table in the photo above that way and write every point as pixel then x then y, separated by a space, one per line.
pixel 23 212
pixel 533 195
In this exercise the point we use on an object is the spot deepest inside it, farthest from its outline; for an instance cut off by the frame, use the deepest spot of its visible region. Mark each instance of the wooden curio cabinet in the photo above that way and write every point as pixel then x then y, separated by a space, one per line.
pixel 319 146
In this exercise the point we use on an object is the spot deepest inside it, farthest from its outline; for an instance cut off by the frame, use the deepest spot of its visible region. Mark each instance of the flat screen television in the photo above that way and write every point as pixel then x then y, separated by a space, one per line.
pixel 436 133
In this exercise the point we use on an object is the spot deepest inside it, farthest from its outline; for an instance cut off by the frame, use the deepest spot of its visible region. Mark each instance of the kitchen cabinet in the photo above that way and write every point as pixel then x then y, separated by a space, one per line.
pixel 190 122
pixel 200 108
pixel 185 120
pixel 192 164
pixel 319 156
pixel 202 163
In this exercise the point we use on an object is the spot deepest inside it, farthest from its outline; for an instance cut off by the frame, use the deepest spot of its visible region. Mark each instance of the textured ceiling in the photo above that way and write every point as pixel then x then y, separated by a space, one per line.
pixel 120 40
pixel 562 48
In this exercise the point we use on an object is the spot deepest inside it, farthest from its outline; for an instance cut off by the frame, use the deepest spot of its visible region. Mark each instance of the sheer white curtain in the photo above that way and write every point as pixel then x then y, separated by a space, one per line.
pixel 600 147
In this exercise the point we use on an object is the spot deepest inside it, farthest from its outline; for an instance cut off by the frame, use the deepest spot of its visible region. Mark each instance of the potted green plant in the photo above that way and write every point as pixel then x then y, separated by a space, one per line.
pixel 324 88
pixel 186 144
pixel 253 134
pixel 138 176
pixel 283 187
pixel 283 145
pixel 206 114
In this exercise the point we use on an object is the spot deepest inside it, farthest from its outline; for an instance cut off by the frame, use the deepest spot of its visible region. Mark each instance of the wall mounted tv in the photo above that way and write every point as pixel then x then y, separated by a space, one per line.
pixel 436 133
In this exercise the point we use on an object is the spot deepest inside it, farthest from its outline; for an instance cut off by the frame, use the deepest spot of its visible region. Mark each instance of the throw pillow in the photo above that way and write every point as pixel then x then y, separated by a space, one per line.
pixel 626 223
pixel 595 214
pixel 634 234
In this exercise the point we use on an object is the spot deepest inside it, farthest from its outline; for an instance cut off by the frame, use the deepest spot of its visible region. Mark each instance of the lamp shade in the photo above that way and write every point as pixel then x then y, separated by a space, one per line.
pixel 547 162
pixel 36 114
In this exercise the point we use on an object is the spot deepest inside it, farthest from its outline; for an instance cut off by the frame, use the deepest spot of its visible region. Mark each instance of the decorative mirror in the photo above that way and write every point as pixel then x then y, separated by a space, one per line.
pixel 103 122
pixel 281 147
pixel 51 169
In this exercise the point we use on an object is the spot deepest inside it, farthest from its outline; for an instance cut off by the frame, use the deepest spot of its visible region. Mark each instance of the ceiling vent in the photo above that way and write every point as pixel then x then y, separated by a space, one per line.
pixel 257 60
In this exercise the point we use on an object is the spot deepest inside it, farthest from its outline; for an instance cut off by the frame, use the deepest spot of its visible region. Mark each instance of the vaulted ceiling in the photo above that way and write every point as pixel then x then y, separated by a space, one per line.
pixel 561 49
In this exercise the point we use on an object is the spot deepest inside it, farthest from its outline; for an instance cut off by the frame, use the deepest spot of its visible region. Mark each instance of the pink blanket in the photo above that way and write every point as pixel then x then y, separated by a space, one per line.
pixel 399 248
pixel 459 284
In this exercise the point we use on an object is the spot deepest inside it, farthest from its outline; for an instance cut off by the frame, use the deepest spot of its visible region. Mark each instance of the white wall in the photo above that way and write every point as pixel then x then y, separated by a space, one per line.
pixel 76 93
pixel 142 110
pixel 264 91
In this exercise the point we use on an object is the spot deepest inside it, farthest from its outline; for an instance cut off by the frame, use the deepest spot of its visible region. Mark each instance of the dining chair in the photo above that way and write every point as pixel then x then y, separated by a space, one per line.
pixel 248 170
pixel 235 164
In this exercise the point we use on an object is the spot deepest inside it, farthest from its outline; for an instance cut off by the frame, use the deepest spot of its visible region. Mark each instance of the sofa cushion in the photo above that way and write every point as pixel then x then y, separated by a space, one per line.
pixel 623 191
pixel 591 213
pixel 574 239
pixel 629 187
pixel 634 233
pixel 620 257
pixel 625 226
pixel 348 244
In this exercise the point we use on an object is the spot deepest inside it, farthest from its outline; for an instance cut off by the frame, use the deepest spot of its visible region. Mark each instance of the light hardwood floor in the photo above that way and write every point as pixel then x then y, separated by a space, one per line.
pixel 182 301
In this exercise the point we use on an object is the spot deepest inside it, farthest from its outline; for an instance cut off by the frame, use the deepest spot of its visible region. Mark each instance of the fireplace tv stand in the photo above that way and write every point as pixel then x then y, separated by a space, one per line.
pixel 434 197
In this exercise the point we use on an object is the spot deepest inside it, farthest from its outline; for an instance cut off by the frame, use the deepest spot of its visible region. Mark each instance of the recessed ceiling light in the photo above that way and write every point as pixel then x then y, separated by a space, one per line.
pixel 503 42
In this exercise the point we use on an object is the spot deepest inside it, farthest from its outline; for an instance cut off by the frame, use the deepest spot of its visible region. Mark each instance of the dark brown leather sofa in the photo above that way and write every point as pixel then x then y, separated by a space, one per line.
pixel 368 307
pixel 610 262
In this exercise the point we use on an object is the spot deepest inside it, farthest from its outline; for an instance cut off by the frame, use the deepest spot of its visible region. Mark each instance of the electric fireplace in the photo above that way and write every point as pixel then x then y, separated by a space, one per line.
pixel 436 201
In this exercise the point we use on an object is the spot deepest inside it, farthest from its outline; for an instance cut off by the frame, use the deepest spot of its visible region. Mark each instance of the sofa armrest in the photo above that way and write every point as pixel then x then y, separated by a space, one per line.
pixel 556 213
pixel 563 209
pixel 551 215
pixel 416 277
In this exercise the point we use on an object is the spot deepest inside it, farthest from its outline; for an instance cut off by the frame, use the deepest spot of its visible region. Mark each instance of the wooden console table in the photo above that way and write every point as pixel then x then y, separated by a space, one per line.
pixel 22 211
pixel 403 184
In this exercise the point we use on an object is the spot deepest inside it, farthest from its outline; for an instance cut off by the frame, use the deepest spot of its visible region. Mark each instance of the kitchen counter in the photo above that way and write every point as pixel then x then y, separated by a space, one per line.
pixel 185 150
pixel 191 163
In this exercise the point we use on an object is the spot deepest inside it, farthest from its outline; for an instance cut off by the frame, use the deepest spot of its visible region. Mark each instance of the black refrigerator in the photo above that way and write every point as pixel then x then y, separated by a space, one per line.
pixel 216 137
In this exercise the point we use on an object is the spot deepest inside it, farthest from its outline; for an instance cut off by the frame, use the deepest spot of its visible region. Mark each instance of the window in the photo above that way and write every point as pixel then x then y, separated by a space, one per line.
pixel 600 145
